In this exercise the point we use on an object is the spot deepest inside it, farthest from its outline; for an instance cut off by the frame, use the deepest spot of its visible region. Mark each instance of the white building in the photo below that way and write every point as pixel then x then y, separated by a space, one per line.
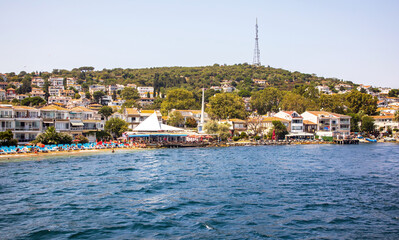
pixel 329 124
pixel 295 119
pixel 323 89
pixel 55 81
pixel 95 88
pixel 145 91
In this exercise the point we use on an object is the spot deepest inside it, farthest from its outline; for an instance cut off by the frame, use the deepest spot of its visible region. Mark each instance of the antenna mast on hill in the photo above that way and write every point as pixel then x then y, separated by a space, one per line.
pixel 256 61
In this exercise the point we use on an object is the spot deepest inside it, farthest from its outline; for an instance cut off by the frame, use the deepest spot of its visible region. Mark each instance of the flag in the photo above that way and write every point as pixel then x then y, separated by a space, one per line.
pixel 274 134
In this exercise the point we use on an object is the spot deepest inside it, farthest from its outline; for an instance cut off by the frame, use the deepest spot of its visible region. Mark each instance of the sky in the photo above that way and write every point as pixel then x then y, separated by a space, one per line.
pixel 351 40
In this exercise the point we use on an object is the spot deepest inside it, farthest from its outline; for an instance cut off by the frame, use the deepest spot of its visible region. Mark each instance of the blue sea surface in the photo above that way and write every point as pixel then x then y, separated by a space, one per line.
pixel 272 192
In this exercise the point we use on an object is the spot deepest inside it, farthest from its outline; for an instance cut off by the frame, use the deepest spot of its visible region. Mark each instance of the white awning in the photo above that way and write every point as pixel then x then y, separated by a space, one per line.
pixel 151 124
pixel 77 123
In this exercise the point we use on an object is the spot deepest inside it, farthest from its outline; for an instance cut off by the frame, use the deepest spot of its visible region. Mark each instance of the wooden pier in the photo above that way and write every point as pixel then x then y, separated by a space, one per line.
pixel 346 141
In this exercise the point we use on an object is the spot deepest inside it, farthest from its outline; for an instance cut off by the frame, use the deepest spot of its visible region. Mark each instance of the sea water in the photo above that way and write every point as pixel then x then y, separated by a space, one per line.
pixel 275 192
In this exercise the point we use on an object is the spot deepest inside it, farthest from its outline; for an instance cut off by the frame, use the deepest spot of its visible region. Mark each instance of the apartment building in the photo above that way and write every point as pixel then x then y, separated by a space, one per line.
pixel 328 124
pixel 38 81
pixel 145 91
pixel 57 99
pixel 71 81
pixel 56 81
pixel 28 124
pixel 55 90
pixel 37 92
pixel 95 88
pixel 295 119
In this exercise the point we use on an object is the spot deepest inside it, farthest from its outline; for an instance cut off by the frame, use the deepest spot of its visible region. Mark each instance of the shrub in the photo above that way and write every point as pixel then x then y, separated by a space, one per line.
pixel 236 138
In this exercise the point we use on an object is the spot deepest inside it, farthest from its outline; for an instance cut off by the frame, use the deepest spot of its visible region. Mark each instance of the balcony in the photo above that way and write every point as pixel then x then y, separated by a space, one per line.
pixel 3 129
pixel 27 129
pixel 25 140
pixel 6 116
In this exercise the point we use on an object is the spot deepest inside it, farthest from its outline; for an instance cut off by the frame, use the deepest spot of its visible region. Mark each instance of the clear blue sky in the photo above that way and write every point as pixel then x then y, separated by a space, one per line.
pixel 350 40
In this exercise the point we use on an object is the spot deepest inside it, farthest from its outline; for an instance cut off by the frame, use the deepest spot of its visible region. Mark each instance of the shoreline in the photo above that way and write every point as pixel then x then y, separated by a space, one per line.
pixel 44 155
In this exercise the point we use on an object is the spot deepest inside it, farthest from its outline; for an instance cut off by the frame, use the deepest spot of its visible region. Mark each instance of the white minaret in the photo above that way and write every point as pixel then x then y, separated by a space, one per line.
pixel 201 125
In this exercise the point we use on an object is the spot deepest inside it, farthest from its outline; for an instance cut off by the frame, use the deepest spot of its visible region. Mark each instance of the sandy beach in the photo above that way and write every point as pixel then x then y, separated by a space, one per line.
pixel 45 155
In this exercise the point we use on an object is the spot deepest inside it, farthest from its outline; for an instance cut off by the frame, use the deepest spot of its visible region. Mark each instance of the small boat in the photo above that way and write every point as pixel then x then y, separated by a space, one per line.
pixel 371 140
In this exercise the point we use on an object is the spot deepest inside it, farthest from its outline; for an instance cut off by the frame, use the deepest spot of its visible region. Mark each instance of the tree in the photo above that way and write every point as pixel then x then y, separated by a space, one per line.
pixel 77 96
pixel 244 93
pixel 87 95
pixel 33 101
pixel 279 129
pixel 130 93
pixel 367 124
pixel 130 104
pixel 393 93
pixel 51 136
pixel 295 102
pixel 355 119
pixel 332 103
pixel 191 123
pixel 357 101
pixel 396 116
pixel 175 119
pixel 221 129
pixel 266 100
pixel 105 111
pixel 81 139
pixel 116 126
pixel 178 99
pixel 226 105
pixel 97 95
pixel 6 139
pixel 255 123
pixel 26 86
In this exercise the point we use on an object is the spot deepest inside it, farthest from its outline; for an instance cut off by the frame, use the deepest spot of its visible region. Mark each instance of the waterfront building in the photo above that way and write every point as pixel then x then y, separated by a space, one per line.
pixel 382 123
pixel 236 125
pixel 55 116
pixel 264 124
pixel 132 117
pixel 295 119
pixel 28 124
pixel 328 124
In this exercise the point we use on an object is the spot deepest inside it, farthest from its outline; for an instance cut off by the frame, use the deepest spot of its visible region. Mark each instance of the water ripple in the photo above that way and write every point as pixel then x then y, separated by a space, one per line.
pixel 276 192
